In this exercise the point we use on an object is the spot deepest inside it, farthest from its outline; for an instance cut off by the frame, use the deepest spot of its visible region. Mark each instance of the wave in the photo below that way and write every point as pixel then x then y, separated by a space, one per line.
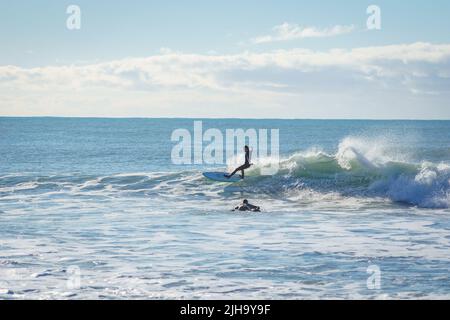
pixel 363 168
pixel 359 169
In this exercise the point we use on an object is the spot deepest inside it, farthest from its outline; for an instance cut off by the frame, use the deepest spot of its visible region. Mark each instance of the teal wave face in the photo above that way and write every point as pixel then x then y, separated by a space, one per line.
pixel 402 161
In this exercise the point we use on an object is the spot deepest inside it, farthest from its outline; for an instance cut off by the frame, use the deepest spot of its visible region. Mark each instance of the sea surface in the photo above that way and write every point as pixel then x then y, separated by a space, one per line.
pixel 95 209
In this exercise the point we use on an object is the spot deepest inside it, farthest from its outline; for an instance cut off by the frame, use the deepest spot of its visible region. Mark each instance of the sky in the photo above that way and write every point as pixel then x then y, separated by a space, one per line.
pixel 227 59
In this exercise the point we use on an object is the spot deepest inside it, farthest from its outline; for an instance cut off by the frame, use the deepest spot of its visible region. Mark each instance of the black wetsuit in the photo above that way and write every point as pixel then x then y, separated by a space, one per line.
pixel 248 207
pixel 246 165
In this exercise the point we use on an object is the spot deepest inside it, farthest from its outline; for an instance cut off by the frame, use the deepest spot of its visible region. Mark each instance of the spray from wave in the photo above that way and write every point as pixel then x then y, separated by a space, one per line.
pixel 363 168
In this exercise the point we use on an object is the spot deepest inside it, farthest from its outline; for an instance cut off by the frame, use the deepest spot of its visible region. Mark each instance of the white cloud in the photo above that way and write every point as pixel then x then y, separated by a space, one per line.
pixel 281 83
pixel 286 31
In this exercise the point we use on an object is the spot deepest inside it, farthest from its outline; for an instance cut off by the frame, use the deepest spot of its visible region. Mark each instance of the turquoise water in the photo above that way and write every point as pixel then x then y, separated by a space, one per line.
pixel 102 196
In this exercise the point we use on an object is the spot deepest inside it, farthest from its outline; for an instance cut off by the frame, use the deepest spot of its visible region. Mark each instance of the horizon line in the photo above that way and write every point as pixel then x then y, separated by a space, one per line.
pixel 224 118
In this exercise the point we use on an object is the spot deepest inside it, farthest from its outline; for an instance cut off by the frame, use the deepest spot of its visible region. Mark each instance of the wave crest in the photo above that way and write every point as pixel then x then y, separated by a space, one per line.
pixel 362 169
pixel 366 169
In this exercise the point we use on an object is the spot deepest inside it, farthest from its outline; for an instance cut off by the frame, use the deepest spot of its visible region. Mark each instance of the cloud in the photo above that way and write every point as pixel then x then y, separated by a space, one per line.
pixel 298 82
pixel 286 32
pixel 193 71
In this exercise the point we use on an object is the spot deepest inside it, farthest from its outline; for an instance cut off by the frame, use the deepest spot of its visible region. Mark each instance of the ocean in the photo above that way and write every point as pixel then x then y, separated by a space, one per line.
pixel 95 208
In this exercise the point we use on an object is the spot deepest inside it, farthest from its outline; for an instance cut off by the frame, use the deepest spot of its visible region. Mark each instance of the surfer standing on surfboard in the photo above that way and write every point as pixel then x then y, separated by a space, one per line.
pixel 246 165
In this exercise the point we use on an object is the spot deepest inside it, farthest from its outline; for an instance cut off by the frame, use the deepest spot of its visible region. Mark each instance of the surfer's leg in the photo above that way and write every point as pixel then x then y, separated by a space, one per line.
pixel 242 168
pixel 234 172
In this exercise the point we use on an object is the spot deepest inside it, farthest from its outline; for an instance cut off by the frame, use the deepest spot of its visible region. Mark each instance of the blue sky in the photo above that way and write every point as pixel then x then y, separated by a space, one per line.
pixel 218 36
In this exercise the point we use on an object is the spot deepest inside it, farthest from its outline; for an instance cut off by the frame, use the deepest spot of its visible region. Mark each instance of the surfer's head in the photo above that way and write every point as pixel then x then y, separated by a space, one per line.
pixel 246 149
pixel 245 201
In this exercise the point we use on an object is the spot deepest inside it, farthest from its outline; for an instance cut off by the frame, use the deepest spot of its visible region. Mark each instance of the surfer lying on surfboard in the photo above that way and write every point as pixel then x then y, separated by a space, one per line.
pixel 246 165
pixel 245 206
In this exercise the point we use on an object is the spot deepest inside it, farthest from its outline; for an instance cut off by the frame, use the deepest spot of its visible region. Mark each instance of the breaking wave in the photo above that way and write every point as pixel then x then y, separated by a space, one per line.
pixel 359 168
pixel 365 169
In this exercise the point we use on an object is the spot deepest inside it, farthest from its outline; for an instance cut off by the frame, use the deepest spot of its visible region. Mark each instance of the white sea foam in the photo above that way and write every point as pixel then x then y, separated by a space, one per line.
pixel 360 169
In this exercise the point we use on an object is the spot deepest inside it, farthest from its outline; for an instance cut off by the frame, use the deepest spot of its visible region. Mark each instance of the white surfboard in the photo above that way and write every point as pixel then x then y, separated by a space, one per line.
pixel 220 177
